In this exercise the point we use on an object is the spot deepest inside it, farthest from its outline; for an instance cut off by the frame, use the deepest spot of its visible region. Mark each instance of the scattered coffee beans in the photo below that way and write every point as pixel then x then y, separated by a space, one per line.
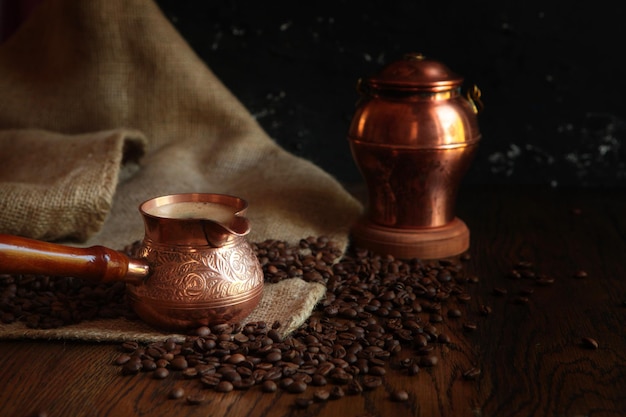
pixel 374 308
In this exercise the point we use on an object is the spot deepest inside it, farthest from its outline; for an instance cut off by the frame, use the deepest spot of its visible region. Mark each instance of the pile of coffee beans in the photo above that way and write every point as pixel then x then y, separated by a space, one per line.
pixel 43 302
pixel 374 307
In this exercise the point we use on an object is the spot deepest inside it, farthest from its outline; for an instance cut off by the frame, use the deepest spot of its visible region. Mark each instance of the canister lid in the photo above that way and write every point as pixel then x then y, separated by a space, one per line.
pixel 415 72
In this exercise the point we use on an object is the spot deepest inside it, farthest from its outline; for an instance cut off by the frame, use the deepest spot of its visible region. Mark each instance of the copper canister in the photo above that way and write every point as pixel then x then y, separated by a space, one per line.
pixel 413 137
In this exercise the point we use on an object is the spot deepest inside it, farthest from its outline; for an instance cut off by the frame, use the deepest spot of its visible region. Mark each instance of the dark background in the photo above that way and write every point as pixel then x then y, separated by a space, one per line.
pixel 551 76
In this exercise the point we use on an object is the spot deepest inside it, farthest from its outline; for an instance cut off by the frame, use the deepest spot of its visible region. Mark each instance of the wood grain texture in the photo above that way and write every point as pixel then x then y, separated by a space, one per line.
pixel 530 354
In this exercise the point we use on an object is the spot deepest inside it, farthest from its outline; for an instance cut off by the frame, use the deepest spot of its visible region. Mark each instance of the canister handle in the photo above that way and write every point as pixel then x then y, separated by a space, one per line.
pixel 473 95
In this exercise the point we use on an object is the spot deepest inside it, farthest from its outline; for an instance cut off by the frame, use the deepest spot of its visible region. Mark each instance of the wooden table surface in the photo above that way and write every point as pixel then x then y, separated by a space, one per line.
pixel 530 354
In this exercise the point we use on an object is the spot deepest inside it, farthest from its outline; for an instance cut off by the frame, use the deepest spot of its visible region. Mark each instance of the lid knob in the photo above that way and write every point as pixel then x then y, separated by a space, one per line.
pixel 415 72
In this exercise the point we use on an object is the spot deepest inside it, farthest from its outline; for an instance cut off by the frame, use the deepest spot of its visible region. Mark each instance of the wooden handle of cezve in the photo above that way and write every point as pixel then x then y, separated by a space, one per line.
pixel 19 255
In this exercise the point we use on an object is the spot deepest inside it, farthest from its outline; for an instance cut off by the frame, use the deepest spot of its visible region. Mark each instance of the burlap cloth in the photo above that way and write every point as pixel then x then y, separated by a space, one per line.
pixel 104 105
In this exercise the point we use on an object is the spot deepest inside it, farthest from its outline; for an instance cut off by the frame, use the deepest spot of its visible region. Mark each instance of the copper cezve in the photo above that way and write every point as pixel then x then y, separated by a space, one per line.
pixel 194 266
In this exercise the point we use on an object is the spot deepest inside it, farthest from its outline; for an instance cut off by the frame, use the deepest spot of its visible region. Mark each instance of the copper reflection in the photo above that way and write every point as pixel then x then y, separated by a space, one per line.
pixel 411 188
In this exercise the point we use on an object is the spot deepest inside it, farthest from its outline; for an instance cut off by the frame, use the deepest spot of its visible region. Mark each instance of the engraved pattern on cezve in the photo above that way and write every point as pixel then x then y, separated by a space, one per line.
pixel 185 275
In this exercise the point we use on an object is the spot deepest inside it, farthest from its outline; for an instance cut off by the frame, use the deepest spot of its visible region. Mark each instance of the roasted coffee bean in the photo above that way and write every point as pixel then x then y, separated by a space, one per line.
pixel 377 371
pixel 154 352
pixel 340 376
pixel 499 291
pixel 580 274
pixel 318 380
pixel 430 330
pixel 210 381
pixel 371 381
pixel 301 376
pixel 406 362
pixel 122 359
pixel 302 402
pixel 321 395
pixel 470 326
pixel 336 393
pixel 195 399
pixel 176 393
pixel 269 386
pixel 285 382
pixel 464 297
pixel 589 343
pixel 485 310
pixel 131 367
pixel 231 375
pixel 130 346
pixel 179 363
pixel 413 369
pixel 297 387
pixel 273 357
pixel 428 361
pixel 375 361
pixel 523 265
pixel 420 341
pixel 544 281
pixel 514 274
pixel 399 395
pixel 244 383
pixel 224 386
pixel 202 331
pixel 273 374
pixel 435 318
pixel 354 387
pixel 325 368
pixel 160 373
pixel 222 328
pixel 471 373
pixel 521 300
pixel 169 345
pixel 236 358
pixel 148 365
pixel 190 373
pixel 527 291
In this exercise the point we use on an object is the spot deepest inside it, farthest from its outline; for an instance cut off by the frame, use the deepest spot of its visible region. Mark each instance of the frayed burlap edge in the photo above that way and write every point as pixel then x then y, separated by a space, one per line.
pixel 297 298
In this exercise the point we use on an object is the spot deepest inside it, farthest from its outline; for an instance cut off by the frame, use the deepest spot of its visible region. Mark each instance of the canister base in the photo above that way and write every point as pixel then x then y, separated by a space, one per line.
pixel 428 243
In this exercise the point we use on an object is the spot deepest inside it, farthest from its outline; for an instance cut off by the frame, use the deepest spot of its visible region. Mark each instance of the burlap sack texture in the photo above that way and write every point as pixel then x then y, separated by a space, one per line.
pixel 104 105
